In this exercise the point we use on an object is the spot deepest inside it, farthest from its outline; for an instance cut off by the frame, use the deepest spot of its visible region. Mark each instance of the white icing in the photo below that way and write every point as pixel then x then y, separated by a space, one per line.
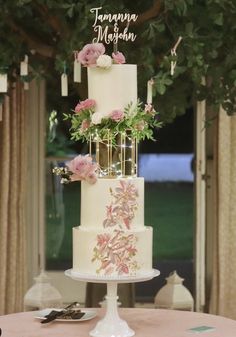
pixel 112 88
pixel 96 198
pixel 85 241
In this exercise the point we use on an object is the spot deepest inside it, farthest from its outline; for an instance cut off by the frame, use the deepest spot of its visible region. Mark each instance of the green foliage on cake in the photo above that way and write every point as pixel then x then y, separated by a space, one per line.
pixel 137 120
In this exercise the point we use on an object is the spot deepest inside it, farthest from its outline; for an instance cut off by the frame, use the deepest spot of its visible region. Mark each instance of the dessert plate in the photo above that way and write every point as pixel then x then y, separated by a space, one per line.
pixel 89 314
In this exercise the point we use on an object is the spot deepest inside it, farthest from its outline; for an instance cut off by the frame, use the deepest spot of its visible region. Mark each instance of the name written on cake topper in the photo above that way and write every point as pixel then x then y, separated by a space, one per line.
pixel 104 33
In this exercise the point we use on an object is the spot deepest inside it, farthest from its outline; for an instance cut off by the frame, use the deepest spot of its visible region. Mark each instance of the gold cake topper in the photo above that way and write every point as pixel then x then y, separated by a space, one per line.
pixel 105 33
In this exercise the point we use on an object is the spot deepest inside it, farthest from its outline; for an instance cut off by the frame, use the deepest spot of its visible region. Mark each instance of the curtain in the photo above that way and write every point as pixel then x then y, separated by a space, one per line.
pixel 223 295
pixel 13 174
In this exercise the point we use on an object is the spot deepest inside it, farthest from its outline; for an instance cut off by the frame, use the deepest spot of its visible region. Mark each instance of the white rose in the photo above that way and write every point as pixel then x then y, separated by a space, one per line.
pixel 97 118
pixel 104 61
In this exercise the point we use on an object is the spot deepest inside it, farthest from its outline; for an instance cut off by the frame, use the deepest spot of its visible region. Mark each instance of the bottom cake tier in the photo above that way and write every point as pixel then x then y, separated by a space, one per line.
pixel 112 252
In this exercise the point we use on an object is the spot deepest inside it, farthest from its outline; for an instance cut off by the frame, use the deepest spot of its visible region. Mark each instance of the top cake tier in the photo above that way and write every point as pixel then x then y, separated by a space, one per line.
pixel 113 88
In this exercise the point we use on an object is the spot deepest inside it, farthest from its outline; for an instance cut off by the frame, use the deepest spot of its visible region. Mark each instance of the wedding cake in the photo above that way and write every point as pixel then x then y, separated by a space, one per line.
pixel 111 239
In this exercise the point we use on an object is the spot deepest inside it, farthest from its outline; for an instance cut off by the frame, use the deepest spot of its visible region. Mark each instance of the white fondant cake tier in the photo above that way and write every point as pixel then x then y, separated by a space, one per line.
pixel 113 203
pixel 112 88
pixel 112 252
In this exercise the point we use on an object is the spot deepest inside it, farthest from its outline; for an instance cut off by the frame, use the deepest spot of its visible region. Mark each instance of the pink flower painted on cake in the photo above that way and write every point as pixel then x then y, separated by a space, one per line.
pixel 115 252
pixel 103 239
pixel 118 58
pixel 89 54
pixel 84 105
pixel 83 168
pixel 117 115
pixel 121 211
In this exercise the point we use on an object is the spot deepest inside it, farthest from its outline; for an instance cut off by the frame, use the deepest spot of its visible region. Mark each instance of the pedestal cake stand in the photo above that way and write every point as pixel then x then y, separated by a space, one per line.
pixel 112 325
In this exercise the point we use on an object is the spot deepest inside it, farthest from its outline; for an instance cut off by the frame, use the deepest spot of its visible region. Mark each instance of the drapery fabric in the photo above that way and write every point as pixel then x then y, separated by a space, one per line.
pixel 13 175
pixel 223 295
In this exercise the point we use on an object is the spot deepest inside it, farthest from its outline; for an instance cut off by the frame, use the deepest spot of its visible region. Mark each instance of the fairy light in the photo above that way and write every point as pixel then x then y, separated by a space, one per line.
pixel 121 157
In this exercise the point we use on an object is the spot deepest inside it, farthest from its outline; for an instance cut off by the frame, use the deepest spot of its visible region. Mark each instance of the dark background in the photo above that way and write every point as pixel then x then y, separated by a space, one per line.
pixel 175 137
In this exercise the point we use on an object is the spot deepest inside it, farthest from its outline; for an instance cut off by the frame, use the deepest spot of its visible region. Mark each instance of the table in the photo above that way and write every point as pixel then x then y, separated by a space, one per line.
pixel 145 323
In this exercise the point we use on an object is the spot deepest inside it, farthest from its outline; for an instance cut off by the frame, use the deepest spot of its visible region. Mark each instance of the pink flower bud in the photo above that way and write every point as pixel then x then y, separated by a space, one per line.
pixel 85 125
pixel 118 57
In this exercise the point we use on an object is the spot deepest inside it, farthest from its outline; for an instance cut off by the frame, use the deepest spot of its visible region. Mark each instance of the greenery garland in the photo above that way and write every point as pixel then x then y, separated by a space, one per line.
pixel 137 121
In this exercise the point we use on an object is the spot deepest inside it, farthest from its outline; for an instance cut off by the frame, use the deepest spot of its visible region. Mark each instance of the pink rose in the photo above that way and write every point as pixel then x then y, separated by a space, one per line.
pixel 89 54
pixel 117 115
pixel 118 57
pixel 87 104
pixel 78 166
pixel 85 125
pixel 82 168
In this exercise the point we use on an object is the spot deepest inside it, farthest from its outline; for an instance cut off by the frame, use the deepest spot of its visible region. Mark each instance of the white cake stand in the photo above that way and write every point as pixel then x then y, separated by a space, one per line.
pixel 112 325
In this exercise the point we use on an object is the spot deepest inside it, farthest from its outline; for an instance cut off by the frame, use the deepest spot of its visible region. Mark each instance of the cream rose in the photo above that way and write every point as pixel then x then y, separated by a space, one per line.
pixel 97 118
pixel 104 61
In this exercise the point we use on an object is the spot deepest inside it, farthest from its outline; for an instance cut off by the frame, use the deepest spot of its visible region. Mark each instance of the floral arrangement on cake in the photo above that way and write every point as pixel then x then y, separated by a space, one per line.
pixel 79 168
pixel 93 55
pixel 86 123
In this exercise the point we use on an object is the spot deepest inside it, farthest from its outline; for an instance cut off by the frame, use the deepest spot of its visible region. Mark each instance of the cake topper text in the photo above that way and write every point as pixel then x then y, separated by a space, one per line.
pixel 105 34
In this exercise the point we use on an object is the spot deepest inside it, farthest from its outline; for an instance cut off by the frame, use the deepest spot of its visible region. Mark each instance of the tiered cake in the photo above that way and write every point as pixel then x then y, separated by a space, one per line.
pixel 112 239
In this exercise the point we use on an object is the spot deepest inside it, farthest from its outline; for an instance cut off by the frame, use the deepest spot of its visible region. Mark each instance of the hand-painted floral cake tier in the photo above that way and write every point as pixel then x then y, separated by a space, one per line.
pixel 112 238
